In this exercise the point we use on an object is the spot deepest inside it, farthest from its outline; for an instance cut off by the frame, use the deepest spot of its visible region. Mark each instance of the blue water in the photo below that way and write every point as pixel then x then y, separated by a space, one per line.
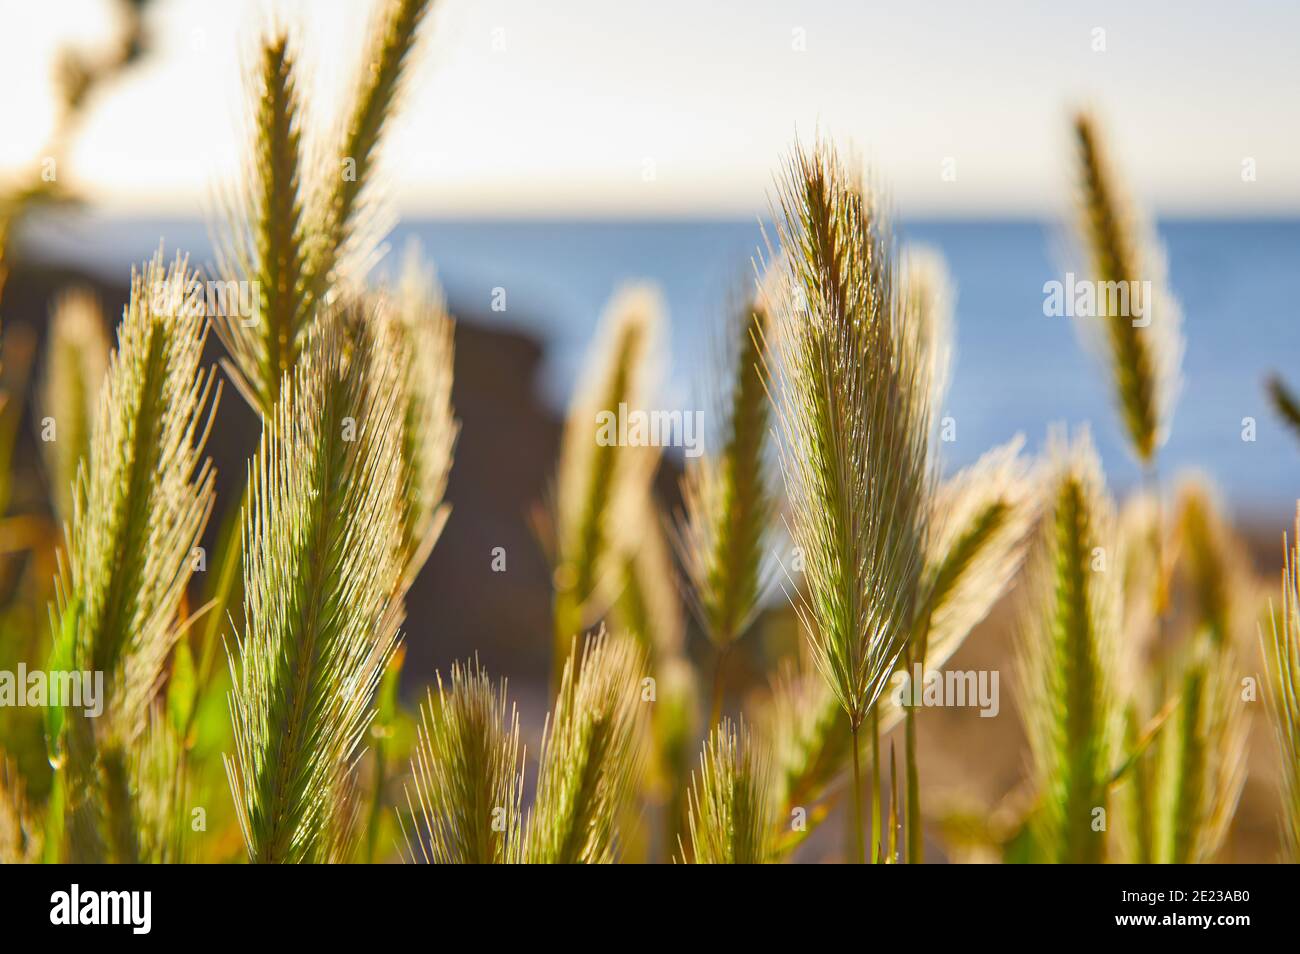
pixel 1016 371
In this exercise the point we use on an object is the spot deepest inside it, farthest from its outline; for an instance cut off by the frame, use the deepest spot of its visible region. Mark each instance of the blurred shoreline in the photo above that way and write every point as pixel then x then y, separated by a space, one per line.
pixel 1016 370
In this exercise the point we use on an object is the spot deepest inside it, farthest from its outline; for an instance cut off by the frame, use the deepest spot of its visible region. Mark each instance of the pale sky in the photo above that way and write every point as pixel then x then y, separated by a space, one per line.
pixel 685 108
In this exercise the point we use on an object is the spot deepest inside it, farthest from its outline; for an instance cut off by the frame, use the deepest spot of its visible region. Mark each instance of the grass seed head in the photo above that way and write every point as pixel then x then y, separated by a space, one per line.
pixel 854 411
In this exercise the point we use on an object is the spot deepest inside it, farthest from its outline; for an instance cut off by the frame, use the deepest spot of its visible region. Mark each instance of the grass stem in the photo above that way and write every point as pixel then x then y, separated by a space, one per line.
pixel 915 842
pixel 859 845
pixel 877 802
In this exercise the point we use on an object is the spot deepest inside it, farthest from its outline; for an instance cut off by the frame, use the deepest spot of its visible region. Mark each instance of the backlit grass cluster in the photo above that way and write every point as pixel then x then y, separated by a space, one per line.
pixel 728 674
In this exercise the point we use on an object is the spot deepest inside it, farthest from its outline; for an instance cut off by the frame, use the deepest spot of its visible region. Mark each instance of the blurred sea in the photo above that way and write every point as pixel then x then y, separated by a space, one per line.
pixel 1016 371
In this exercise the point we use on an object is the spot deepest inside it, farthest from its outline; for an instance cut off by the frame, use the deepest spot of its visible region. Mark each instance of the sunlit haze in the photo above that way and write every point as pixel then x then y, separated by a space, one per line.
pixel 592 108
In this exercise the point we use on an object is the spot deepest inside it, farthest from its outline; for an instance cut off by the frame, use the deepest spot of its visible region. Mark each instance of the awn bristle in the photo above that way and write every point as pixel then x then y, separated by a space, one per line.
pixel 161 787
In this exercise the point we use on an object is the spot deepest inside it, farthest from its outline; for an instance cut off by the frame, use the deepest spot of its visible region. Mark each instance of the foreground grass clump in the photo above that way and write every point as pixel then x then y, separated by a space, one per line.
pixel 468 772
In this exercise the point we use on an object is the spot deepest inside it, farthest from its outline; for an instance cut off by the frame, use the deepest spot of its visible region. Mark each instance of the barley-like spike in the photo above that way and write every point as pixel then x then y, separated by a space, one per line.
pixel 1144 353
pixel 731 817
pixel 591 756
pixel 1069 655
pixel 1139 794
pixel 142 499
pixel 854 424
pixel 649 606
pixel 982 518
pixel 599 480
pixel 338 209
pixel 320 576
pixel 467 774
pixel 144 496
pixel 1216 563
pixel 1201 759
pixel 268 241
pixel 728 497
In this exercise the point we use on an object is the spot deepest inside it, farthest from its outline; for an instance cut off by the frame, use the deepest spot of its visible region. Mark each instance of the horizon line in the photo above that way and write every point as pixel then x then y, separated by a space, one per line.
pixel 675 217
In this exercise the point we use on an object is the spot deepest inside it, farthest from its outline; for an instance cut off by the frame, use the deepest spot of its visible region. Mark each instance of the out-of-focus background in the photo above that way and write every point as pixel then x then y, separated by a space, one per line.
pixel 555 151
pixel 550 152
